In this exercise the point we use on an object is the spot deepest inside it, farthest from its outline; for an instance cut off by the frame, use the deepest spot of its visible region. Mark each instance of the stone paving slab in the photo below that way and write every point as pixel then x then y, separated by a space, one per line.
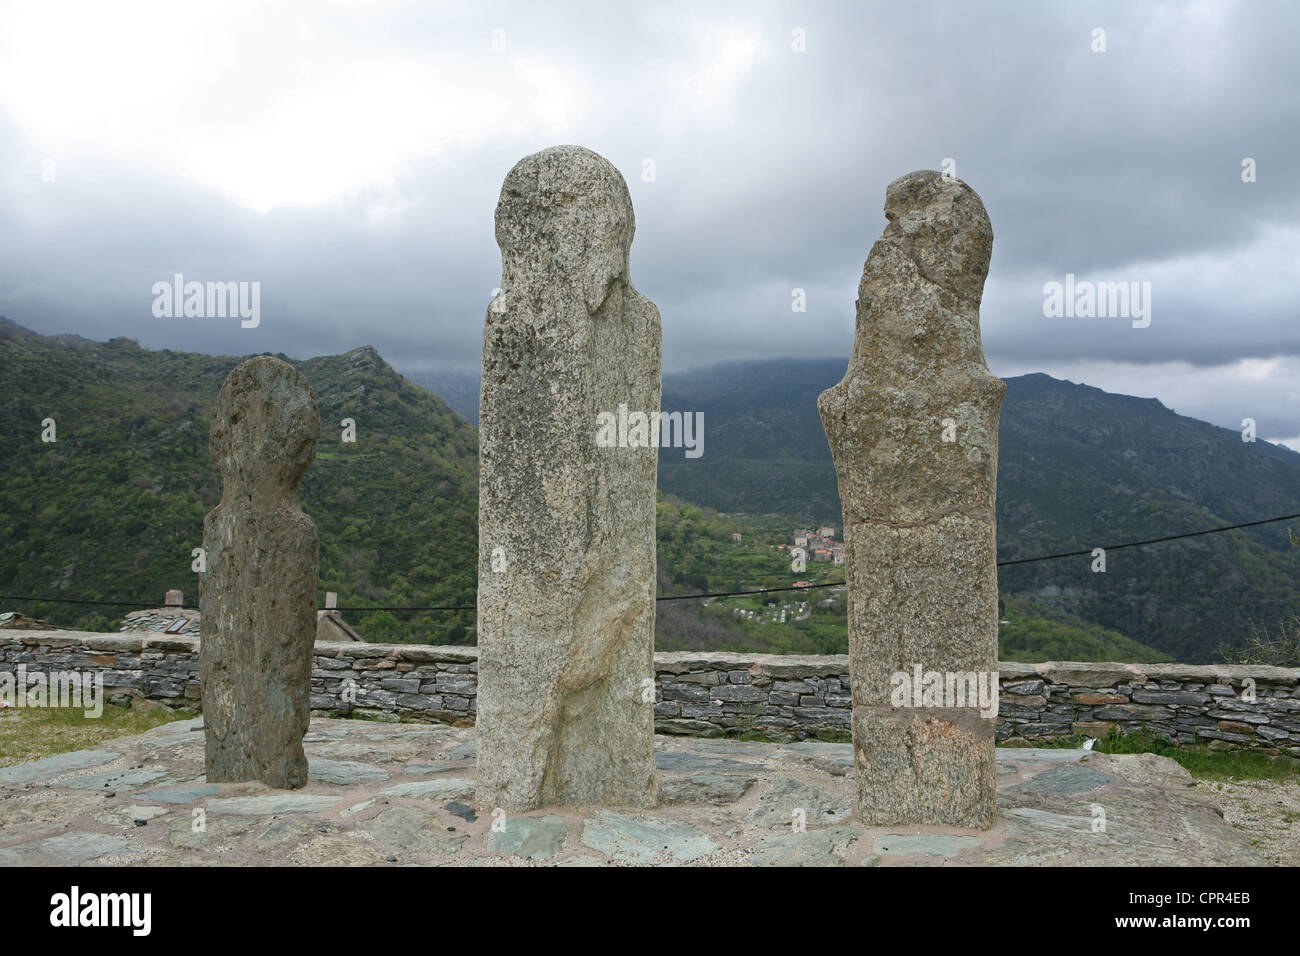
pixel 404 794
pixel 51 768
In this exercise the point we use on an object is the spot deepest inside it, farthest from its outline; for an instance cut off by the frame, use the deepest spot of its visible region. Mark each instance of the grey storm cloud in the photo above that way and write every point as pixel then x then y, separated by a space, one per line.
pixel 348 157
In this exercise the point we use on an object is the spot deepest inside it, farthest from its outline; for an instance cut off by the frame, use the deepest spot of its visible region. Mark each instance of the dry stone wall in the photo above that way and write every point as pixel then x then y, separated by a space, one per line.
pixel 711 694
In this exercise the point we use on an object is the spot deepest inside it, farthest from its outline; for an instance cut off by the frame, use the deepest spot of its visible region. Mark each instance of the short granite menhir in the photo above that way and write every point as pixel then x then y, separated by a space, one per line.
pixel 566 577
pixel 258 594
pixel 913 428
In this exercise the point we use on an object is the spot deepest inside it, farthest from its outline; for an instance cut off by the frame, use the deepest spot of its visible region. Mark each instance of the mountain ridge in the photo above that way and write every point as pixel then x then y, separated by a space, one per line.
pixel 112 509
pixel 1079 468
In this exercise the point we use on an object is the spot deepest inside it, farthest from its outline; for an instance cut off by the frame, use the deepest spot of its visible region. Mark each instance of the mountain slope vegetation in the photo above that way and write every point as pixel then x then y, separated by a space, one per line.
pixel 1079 468
pixel 111 510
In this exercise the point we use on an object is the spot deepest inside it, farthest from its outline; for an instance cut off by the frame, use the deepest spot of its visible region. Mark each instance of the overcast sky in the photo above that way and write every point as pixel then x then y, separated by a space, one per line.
pixel 348 156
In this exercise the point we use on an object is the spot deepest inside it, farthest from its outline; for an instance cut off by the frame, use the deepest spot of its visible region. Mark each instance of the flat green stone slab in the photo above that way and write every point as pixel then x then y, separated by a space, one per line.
pixel 1062 780
pixel 533 838
pixel 925 844
pixel 184 794
pixel 645 839
pixel 783 798
pixel 413 830
pixel 66 849
pixel 689 761
pixel 272 803
pixel 344 772
pixel 115 779
pixel 705 787
pixel 824 847
pixel 448 788
pixel 47 768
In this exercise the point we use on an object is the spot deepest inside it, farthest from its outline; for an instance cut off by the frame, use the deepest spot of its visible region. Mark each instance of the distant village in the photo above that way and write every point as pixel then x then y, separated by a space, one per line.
pixel 820 545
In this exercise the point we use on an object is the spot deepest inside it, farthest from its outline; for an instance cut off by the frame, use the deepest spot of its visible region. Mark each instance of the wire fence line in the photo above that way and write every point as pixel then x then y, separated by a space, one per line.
pixel 689 597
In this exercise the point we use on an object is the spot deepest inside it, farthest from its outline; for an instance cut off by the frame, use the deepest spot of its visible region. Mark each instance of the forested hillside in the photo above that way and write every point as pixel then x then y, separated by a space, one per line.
pixel 111 510
pixel 1078 468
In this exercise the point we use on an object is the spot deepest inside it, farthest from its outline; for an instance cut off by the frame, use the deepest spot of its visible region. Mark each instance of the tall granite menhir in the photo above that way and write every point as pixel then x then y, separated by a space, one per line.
pixel 566 521
pixel 258 594
pixel 913 428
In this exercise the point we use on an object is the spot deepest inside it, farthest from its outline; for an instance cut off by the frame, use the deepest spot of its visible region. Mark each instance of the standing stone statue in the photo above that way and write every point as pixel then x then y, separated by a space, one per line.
pixel 566 508
pixel 258 594
pixel 913 428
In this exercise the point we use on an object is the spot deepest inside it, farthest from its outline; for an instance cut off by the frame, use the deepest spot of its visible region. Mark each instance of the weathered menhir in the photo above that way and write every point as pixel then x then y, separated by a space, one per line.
pixel 566 580
pixel 913 428
pixel 257 596
pixel 567 522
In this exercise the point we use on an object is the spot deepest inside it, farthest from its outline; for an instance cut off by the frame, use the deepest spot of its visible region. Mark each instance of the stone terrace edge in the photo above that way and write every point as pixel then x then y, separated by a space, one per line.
pixel 711 693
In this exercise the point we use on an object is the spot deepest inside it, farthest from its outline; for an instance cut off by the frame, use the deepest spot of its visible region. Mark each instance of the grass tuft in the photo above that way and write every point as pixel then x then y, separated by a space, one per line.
pixel 30 734
pixel 1199 760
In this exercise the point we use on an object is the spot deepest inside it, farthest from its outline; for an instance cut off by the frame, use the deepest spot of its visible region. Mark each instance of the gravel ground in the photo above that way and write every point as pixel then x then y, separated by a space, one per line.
pixel 1266 810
